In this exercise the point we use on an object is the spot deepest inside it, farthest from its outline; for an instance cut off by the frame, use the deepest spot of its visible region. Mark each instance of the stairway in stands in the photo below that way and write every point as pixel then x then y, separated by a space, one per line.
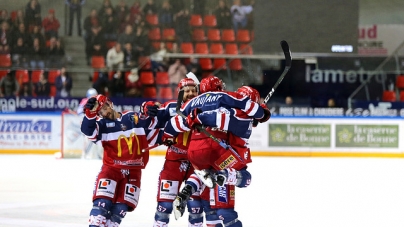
pixel 77 66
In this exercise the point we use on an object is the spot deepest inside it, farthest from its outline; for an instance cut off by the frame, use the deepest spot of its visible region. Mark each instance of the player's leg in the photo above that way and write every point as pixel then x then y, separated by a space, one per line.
pixel 192 185
pixel 223 200
pixel 195 210
pixel 212 219
pixel 118 212
pixel 100 213
pixel 229 217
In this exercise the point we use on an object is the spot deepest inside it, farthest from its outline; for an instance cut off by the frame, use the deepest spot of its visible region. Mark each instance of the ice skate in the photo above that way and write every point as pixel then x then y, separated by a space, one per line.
pixel 206 177
pixel 180 201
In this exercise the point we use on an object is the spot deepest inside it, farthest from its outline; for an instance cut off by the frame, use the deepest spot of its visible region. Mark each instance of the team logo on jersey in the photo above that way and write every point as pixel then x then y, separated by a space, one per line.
pixel 123 127
pixel 168 189
pixel 184 166
pixel 228 162
pixel 111 125
pixel 134 118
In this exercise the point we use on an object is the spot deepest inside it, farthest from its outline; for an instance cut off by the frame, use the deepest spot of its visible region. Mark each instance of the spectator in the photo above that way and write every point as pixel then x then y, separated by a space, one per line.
pixel 51 25
pixel 199 7
pixel 36 34
pixel 95 44
pixel 141 44
pixel 19 54
pixel 140 22
pixel 116 84
pixel 75 8
pixel 26 90
pixel 223 15
pixel 9 85
pixel 194 67
pixel 109 24
pixel 63 83
pixel 33 13
pixel 121 10
pixel 150 8
pixel 106 4
pixel 101 84
pixel 239 14
pixel 288 101
pixel 165 15
pixel 176 72
pixel 128 36
pixel 55 53
pixel 331 103
pixel 133 84
pixel 42 87
pixel 135 10
pixel 115 58
pixel 5 17
pixel 5 38
pixel 130 56
pixel 177 5
pixel 20 18
pixel 90 22
pixel 182 27
pixel 126 21
pixel 175 49
pixel 22 33
pixel 157 59
pixel 36 55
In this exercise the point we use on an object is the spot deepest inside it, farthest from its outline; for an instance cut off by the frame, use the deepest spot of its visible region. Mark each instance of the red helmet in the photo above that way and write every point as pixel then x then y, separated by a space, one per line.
pixel 102 99
pixel 250 92
pixel 186 82
pixel 211 83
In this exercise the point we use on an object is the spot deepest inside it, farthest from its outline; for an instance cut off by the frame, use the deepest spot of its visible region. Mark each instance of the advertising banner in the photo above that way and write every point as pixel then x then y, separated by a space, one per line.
pixel 299 135
pixel 379 39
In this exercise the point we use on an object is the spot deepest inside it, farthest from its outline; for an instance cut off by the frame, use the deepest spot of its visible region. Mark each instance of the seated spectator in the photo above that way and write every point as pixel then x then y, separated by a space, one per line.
pixel 19 54
pixel 5 17
pixel 288 101
pixel 5 38
pixel 106 4
pixel 158 61
pixel 109 24
pixel 135 10
pixel 21 33
pixel 36 55
pixel 42 87
pixel 239 14
pixel 101 84
pixel 55 53
pixel 126 21
pixel 130 56
pixel 91 21
pixel 331 103
pixel 176 72
pixel 175 49
pixel 26 90
pixel 133 85
pixel 95 44
pixel 128 36
pixel 223 15
pixel 165 15
pixel 36 33
pixel 33 13
pixel 195 67
pixel 121 10
pixel 20 18
pixel 115 57
pixel 63 83
pixel 182 27
pixel 9 85
pixel 141 44
pixel 51 25
pixel 150 8
pixel 116 85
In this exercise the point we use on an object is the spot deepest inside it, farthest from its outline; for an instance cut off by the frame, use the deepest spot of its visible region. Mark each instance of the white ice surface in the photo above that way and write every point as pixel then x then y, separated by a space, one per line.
pixel 41 191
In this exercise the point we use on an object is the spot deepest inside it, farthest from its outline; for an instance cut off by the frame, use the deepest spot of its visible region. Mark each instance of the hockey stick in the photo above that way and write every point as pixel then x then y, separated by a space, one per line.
pixel 203 130
pixel 288 64
pixel 151 147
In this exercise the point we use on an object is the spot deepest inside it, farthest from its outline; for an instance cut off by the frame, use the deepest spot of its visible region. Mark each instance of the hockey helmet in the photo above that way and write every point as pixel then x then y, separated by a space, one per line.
pixel 211 83
pixel 186 82
pixel 91 92
pixel 102 100
pixel 250 92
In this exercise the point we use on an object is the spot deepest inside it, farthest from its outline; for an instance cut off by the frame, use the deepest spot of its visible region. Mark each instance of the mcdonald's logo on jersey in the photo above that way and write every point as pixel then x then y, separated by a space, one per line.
pixel 129 143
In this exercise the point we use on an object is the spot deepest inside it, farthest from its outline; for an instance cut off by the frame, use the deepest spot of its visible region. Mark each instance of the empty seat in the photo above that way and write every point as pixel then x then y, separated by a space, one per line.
pixel 209 21
pixel 187 48
pixel 154 34
pixel 152 19
pixel 389 96
pixel 235 64
pixel 231 48
pixel 243 36
pixel 214 35
pixel 228 35
pixel 198 35
pixel 150 92
pixel 35 74
pixel 216 48
pixel 245 49
pixel 402 96
pixel 206 63
pixel 162 78
pixel 219 63
pixel 22 76
pixel 400 82
pixel 3 73
pixel 97 61
pixel 53 91
pixel 165 93
pixel 169 46
pixel 156 45
pixel 146 78
pixel 195 20
pixel 144 63
pixel 169 34
pixel 5 60
pixel 201 48
pixel 52 74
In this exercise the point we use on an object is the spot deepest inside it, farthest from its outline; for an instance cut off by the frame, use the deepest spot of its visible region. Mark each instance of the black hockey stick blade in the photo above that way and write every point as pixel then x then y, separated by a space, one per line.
pixel 288 64
pixel 179 101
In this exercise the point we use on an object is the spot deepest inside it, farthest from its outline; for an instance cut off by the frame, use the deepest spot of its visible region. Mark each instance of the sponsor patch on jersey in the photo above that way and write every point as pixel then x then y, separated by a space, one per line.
pixel 106 187
pixel 131 194
pixel 168 189
pixel 111 125
pixel 172 111
pixel 228 162
pixel 222 194
pixel 123 127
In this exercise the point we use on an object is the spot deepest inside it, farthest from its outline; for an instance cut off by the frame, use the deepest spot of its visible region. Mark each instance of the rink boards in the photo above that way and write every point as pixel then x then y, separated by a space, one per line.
pixel 45 133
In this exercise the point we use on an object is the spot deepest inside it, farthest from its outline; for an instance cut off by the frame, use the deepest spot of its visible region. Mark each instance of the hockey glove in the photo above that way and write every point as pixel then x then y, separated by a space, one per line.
pixel 267 114
pixel 168 139
pixel 255 123
pixel 192 118
pixel 92 107
pixel 149 109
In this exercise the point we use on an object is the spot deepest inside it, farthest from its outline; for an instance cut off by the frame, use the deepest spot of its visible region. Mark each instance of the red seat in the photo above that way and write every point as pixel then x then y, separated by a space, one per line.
pixel 3 73
pixel 206 63
pixel 152 19
pixel 235 64
pixel 228 35
pixel 154 34
pixel 187 48
pixel 246 49
pixel 156 45
pixel 95 76
pixel 198 35
pixel 97 62
pixel 110 44
pixel 196 20
pixel 52 74
pixel 5 60
pixel 216 48
pixel 52 91
pixel 219 63
pixel 35 75
pixel 169 34
pixel 150 92
pixel 146 78
pixel 22 76
pixel 165 93
pixel 169 46
pixel 243 36
pixel 201 48
pixel 389 96
pixel 214 35
pixel 231 48
pixel 144 63
pixel 400 82
pixel 209 21
pixel 402 96
pixel 162 78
